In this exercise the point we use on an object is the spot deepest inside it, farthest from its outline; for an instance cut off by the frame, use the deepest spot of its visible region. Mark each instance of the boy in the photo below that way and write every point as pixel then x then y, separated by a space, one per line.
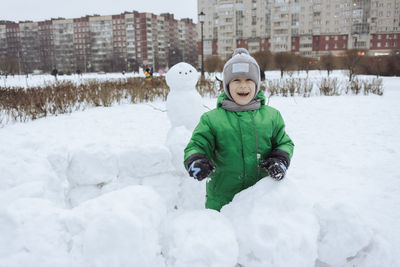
pixel 242 140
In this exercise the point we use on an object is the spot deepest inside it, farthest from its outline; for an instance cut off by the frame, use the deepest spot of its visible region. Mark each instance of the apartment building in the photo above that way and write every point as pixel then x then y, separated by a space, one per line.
pixel 46 46
pixel 82 47
pixel 119 42
pixel 63 41
pixel 187 40
pixel 3 41
pixel 305 27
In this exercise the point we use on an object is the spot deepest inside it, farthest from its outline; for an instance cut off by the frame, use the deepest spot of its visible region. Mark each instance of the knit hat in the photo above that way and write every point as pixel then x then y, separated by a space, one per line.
pixel 241 65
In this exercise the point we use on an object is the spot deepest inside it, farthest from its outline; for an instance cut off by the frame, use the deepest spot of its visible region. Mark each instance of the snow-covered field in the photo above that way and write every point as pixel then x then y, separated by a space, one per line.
pixel 98 188
pixel 37 80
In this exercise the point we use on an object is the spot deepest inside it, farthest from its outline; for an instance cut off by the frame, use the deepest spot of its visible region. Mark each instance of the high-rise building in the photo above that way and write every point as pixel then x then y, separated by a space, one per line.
pixel 3 41
pixel 63 41
pixel 120 42
pixel 305 27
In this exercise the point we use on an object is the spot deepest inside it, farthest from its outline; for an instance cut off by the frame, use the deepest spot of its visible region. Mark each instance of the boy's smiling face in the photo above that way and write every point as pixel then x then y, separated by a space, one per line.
pixel 242 90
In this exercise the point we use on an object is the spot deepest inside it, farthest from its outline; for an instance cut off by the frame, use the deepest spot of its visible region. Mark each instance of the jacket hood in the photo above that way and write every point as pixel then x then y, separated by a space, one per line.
pixel 224 96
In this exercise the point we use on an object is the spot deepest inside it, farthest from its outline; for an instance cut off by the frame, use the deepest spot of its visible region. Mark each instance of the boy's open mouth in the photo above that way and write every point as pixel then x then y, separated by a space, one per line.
pixel 243 94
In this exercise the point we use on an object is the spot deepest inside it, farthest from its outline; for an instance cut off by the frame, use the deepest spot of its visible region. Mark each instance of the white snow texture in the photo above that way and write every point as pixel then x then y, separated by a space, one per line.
pixel 106 188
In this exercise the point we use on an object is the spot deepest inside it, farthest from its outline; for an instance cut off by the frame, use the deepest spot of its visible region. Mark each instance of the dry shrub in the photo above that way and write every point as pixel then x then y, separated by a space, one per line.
pixel 354 86
pixel 289 87
pixel 329 87
pixel 306 87
pixel 373 87
pixel 20 104
pixel 208 87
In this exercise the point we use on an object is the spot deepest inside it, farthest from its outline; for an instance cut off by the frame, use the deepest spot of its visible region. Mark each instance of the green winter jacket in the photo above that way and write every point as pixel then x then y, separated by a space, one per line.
pixel 236 142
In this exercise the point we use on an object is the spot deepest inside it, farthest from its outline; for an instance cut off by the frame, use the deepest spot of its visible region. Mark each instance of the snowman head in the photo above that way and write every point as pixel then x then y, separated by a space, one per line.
pixel 182 76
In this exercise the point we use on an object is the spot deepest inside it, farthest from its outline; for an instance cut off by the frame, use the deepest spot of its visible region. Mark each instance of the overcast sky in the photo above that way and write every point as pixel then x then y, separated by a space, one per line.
pixel 38 10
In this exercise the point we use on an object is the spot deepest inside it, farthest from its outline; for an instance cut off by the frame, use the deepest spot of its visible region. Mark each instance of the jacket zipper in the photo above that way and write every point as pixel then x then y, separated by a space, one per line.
pixel 255 131
pixel 241 142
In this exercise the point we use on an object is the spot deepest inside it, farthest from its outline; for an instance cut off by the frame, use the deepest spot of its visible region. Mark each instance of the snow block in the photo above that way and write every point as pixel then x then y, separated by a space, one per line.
pixel 167 186
pixel 177 140
pixel 202 238
pixel 91 167
pixel 143 161
pixel 120 228
pixel 37 231
pixel 274 225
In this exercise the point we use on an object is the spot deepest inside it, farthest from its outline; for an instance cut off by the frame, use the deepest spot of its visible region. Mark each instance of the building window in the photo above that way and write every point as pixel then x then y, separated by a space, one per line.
pixel 378 44
pixel 326 47
pixel 379 36
pixel 326 38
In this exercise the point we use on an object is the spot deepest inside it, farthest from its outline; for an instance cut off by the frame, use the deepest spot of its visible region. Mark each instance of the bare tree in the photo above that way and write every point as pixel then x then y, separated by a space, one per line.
pixel 351 61
pixel 328 63
pixel 213 64
pixel 394 63
pixel 378 65
pixel 283 61
pixel 264 59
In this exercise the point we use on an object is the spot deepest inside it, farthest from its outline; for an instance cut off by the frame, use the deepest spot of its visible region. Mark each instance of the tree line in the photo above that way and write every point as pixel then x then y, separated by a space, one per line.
pixel 355 61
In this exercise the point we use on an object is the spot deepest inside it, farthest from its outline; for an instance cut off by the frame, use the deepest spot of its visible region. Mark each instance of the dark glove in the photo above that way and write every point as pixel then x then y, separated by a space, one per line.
pixel 275 167
pixel 200 167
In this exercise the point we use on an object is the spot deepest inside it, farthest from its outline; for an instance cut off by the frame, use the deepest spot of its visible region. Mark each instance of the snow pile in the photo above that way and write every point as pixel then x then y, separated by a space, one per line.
pixel 119 228
pixel 200 238
pixel 274 225
pixel 33 233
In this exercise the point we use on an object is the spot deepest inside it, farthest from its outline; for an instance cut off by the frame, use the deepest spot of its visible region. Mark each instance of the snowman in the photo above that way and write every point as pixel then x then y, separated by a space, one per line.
pixel 184 103
pixel 184 109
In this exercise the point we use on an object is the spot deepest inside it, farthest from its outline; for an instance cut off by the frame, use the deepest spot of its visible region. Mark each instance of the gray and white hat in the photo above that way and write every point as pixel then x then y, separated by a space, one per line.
pixel 241 65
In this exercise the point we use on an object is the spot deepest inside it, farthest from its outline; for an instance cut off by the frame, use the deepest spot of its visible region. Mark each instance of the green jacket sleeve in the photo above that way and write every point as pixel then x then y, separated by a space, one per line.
pixel 202 141
pixel 280 139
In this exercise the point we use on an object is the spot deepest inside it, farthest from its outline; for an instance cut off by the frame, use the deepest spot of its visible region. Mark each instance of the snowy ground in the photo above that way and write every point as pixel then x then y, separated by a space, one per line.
pixel 40 79
pixel 98 188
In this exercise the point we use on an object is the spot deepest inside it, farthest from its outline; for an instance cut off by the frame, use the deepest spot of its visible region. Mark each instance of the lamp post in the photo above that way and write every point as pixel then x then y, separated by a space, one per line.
pixel 202 17
pixel 355 36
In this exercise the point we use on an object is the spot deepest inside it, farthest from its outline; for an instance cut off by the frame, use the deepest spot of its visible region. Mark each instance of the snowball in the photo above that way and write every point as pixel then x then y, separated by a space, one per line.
pixel 200 238
pixel 274 225
pixel 182 76
pixel 184 108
